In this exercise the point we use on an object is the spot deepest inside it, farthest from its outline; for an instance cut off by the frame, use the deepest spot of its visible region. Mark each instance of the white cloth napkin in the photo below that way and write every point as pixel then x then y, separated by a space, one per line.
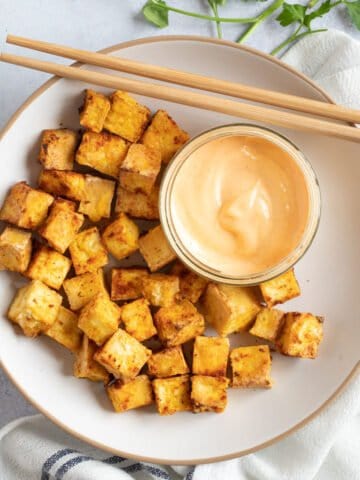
pixel 327 448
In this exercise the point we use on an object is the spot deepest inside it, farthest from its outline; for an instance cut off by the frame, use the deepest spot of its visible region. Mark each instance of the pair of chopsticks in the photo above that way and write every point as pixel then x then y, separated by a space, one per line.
pixel 186 97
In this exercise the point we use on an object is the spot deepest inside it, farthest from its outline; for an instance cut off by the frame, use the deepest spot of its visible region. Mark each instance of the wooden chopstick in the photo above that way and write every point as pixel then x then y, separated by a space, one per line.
pixel 190 98
pixel 188 79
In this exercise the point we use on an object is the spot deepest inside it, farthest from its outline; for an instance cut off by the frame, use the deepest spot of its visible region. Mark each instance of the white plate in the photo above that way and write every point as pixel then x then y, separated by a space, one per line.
pixel 328 275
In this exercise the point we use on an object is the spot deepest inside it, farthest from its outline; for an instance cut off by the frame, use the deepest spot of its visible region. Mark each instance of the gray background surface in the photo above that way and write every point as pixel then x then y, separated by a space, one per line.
pixel 96 24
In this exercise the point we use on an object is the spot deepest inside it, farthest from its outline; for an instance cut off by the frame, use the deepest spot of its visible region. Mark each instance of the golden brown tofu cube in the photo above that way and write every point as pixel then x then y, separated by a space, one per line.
pixel 96 203
pixel 94 110
pixel 133 394
pixel 121 236
pixel 192 286
pixel 15 249
pixel 85 366
pixel 230 309
pixel 122 355
pixel 62 225
pixel 208 394
pixel 138 204
pixel 126 283
pixel 63 183
pixel 65 330
pixel 102 152
pixel 178 323
pixel 280 289
pixel 155 249
pixel 99 318
pixel 87 252
pixel 25 207
pixel 49 266
pixel 82 288
pixel 137 319
pixel 126 117
pixel 168 363
pixel 268 324
pixel 57 149
pixel 210 356
pixel 164 135
pixel 172 394
pixel 251 366
pixel 161 290
pixel 301 335
pixel 34 308
pixel 140 168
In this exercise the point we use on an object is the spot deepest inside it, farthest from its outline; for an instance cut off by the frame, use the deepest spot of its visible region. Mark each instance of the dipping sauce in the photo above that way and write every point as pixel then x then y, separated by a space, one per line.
pixel 240 204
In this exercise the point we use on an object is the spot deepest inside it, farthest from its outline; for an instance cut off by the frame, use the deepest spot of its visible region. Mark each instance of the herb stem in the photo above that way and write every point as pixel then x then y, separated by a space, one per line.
pixel 259 19
pixel 206 17
pixel 214 8
pixel 295 37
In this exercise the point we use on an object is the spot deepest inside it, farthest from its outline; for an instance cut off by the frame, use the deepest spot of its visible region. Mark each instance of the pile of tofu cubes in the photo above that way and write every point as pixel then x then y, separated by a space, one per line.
pixel 143 336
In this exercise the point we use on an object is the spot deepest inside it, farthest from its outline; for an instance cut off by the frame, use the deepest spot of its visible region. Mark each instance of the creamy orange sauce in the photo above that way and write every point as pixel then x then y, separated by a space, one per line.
pixel 240 204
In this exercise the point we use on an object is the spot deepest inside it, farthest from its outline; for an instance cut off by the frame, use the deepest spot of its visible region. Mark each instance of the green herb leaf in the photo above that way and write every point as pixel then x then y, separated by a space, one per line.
pixel 354 11
pixel 323 9
pixel 155 14
pixel 291 13
pixel 217 2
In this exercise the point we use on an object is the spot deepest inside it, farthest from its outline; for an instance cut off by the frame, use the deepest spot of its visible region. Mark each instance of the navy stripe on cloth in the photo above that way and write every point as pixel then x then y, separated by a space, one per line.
pixel 137 467
pixel 190 474
pixel 113 460
pixel 59 475
pixel 50 462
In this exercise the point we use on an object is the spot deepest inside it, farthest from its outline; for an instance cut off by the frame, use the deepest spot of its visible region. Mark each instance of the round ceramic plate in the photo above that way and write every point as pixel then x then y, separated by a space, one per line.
pixel 328 274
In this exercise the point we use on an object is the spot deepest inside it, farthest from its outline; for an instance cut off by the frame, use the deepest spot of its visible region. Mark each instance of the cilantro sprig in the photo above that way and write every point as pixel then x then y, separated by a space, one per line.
pixel 291 14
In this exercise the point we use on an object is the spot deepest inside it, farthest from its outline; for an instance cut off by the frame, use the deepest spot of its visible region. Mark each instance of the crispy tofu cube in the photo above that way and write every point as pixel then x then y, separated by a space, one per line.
pixel 94 110
pixel 268 324
pixel 133 394
pixel 96 203
pixel 25 207
pixel 178 323
pixel 301 335
pixel 82 288
pixel 15 249
pixel 65 330
pixel 164 135
pixel 160 289
pixel 63 183
pixel 280 289
pixel 121 236
pixel 122 355
pixel 85 366
pixel 230 309
pixel 155 249
pixel 168 363
pixel 49 266
pixel 137 319
pixel 210 356
pixel 251 366
pixel 208 394
pixel 102 152
pixel 138 204
pixel 126 117
pixel 34 308
pixel 192 286
pixel 62 225
pixel 57 149
pixel 140 168
pixel 126 283
pixel 87 252
pixel 99 318
pixel 172 394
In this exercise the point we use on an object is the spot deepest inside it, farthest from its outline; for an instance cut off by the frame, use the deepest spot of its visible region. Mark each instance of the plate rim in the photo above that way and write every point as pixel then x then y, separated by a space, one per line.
pixel 353 373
